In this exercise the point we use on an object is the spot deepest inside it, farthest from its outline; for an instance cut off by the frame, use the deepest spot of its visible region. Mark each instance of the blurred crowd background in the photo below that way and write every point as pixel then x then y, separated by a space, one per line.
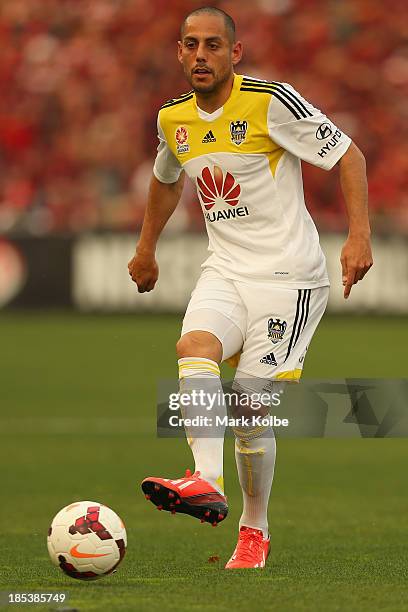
pixel 82 80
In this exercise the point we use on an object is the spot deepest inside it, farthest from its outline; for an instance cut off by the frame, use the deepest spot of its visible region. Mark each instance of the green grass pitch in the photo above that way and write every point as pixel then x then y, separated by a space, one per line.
pixel 77 422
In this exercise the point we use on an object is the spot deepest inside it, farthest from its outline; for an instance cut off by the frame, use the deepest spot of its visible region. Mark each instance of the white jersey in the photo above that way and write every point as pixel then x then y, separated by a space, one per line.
pixel 245 160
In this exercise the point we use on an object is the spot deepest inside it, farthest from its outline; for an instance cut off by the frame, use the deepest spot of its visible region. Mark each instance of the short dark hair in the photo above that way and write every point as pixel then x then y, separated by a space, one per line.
pixel 216 12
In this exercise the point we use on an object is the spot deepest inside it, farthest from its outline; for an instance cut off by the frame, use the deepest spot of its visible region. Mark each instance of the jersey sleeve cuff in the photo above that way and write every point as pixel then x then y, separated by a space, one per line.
pixel 166 179
pixel 336 154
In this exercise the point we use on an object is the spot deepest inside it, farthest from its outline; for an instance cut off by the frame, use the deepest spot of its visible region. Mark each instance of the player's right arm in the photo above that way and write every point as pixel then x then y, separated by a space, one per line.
pixel 162 201
pixel 165 190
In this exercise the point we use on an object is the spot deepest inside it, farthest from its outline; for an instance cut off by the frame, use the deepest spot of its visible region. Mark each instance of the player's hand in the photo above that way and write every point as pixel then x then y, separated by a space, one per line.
pixel 356 259
pixel 144 271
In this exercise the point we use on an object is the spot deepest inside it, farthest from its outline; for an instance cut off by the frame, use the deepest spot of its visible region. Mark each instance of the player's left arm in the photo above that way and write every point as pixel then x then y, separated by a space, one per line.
pixel 303 130
pixel 356 257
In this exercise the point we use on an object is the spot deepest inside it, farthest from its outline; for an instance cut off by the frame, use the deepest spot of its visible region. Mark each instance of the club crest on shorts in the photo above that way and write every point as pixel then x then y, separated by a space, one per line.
pixel 238 131
pixel 181 136
pixel 276 330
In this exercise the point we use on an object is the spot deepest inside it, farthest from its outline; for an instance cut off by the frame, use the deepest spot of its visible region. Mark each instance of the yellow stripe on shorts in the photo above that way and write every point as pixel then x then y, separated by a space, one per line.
pixel 290 375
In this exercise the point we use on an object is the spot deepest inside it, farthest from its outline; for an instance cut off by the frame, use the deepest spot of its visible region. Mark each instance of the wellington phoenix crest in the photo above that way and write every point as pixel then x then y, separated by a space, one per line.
pixel 276 329
pixel 238 131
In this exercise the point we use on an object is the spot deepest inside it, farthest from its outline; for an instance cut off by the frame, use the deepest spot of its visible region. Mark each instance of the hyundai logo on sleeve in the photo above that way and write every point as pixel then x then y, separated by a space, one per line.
pixel 324 131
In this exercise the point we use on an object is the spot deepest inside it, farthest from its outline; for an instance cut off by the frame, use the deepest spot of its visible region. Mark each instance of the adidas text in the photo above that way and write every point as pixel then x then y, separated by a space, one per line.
pixel 209 137
pixel 269 359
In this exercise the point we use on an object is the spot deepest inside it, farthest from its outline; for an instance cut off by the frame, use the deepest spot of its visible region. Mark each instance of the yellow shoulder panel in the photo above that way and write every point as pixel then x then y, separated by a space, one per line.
pixel 180 99
pixel 240 129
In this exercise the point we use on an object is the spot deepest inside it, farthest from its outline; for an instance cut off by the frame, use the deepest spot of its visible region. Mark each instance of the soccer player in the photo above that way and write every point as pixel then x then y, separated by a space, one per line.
pixel 264 287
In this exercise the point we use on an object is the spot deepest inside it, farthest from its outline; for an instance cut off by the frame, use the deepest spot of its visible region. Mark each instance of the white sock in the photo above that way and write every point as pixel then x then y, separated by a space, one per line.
pixel 255 452
pixel 200 374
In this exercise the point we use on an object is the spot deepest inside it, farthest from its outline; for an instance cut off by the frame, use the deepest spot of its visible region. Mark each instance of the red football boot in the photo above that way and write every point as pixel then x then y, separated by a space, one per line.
pixel 189 495
pixel 252 549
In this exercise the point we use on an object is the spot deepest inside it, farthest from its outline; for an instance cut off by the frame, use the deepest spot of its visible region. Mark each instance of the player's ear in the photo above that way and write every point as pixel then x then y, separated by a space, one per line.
pixel 179 50
pixel 237 50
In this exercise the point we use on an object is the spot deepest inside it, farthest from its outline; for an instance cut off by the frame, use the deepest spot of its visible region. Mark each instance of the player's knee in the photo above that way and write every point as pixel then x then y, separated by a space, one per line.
pixel 199 344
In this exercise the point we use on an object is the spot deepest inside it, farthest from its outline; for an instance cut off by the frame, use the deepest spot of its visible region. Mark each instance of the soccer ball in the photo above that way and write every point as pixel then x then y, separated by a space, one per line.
pixel 87 540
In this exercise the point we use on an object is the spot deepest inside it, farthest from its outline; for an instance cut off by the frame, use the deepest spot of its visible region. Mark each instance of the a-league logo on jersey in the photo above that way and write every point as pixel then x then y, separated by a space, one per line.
pixel 238 130
pixel 276 329
pixel 182 140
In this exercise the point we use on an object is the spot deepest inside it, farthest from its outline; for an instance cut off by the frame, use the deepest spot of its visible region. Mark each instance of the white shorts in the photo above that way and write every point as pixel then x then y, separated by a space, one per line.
pixel 267 327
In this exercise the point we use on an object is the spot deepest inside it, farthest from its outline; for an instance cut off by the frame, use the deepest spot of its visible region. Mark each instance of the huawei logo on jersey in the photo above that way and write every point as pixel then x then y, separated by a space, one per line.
pixel 218 188
pixel 213 187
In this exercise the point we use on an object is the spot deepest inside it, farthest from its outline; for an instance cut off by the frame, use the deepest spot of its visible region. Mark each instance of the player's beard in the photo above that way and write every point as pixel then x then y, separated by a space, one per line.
pixel 219 79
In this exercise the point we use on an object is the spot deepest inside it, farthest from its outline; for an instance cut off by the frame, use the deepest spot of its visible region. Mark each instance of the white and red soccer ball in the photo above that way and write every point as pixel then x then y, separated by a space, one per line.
pixel 87 540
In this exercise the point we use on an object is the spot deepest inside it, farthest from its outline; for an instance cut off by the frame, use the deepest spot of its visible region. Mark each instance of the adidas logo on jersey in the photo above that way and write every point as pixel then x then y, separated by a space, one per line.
pixel 269 359
pixel 209 137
